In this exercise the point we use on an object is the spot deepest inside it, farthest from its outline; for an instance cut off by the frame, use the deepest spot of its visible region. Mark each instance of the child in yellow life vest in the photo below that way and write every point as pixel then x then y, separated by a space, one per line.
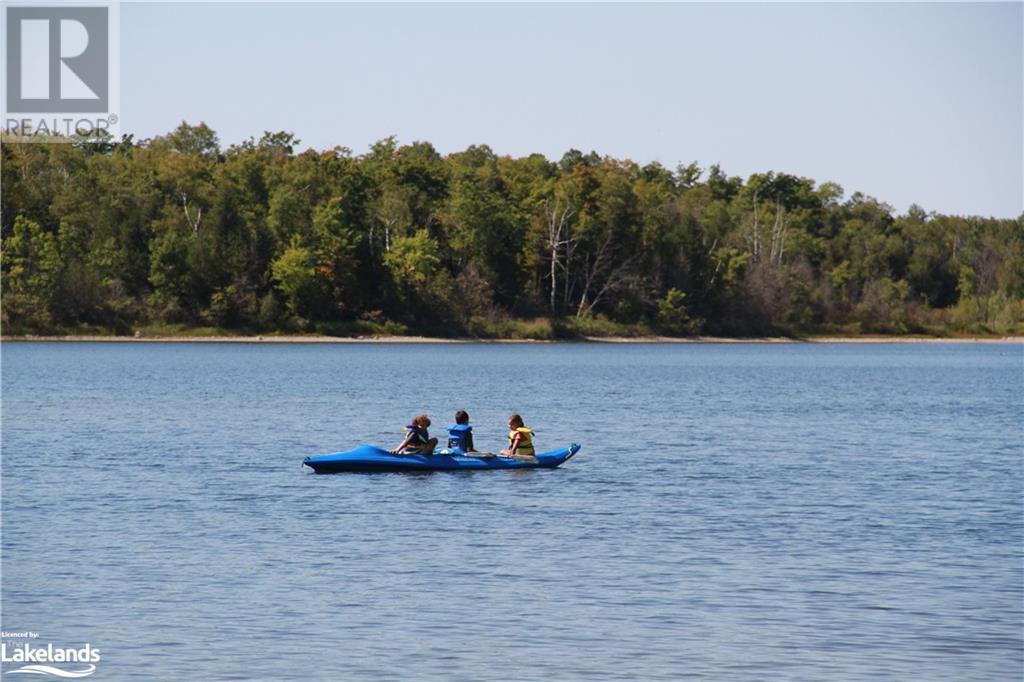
pixel 520 438
pixel 417 439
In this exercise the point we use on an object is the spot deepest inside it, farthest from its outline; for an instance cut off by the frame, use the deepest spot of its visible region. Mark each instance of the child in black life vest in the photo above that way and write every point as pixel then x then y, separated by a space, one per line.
pixel 520 438
pixel 460 436
pixel 417 439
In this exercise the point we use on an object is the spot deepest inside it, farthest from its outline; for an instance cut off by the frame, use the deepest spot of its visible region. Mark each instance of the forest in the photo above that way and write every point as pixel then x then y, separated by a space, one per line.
pixel 177 234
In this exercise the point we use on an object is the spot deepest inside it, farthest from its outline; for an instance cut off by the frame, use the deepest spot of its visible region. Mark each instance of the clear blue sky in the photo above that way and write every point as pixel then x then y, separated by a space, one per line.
pixel 905 102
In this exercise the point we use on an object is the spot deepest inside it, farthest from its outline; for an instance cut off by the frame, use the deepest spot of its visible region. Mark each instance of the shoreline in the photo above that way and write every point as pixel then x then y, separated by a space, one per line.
pixel 316 339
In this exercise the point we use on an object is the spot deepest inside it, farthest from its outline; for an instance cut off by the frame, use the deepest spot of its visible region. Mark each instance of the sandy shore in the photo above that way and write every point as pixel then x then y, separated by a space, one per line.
pixel 425 339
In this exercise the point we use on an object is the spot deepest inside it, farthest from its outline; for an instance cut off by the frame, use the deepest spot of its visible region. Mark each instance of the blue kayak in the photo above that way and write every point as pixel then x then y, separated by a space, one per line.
pixel 372 458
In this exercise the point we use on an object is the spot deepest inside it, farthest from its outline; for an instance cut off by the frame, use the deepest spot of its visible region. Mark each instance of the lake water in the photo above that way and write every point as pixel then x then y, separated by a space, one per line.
pixel 737 512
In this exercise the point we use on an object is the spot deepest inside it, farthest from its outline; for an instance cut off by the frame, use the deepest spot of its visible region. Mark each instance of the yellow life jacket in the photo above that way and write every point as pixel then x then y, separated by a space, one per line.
pixel 525 440
pixel 419 440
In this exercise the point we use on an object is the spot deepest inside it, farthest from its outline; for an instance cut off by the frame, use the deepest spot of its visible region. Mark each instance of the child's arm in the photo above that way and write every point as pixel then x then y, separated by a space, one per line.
pixel 405 442
pixel 469 442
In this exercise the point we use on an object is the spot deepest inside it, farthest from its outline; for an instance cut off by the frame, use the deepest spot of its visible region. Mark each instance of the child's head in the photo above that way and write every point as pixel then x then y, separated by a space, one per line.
pixel 515 421
pixel 461 417
pixel 422 421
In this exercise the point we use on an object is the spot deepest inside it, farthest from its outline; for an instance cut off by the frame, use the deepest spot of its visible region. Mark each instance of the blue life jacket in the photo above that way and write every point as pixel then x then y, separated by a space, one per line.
pixel 457 436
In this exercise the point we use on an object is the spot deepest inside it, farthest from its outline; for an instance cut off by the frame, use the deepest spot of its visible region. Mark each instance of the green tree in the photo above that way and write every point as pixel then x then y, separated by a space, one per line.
pixel 198 140
pixel 31 266
pixel 423 286
pixel 673 319
pixel 261 234
pixel 412 262
pixel 295 275
pixel 337 253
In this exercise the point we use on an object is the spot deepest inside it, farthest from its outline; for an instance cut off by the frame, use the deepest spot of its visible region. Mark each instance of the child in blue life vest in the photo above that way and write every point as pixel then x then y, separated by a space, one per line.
pixel 417 439
pixel 520 438
pixel 460 436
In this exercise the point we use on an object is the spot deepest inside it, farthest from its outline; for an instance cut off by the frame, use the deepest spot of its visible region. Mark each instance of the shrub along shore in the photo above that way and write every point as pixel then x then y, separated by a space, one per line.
pixel 212 335
pixel 176 236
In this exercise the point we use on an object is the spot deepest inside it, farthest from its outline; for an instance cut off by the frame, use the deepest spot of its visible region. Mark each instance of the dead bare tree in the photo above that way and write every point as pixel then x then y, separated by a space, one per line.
pixel 779 230
pixel 777 245
pixel 557 215
pixel 753 239
pixel 985 264
pixel 570 283
pixel 718 263
pixel 602 263
pixel 193 222
pixel 392 210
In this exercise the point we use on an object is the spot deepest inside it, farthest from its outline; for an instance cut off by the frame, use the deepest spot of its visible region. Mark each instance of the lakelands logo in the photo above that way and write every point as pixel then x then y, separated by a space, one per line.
pixel 60 67
pixel 38 660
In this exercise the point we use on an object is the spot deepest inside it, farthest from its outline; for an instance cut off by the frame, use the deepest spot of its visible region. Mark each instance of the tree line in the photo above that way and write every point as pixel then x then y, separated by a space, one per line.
pixel 176 232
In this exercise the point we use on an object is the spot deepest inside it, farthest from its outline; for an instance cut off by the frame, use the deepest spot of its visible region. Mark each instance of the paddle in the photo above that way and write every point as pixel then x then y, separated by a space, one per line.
pixel 523 458
pixel 488 455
